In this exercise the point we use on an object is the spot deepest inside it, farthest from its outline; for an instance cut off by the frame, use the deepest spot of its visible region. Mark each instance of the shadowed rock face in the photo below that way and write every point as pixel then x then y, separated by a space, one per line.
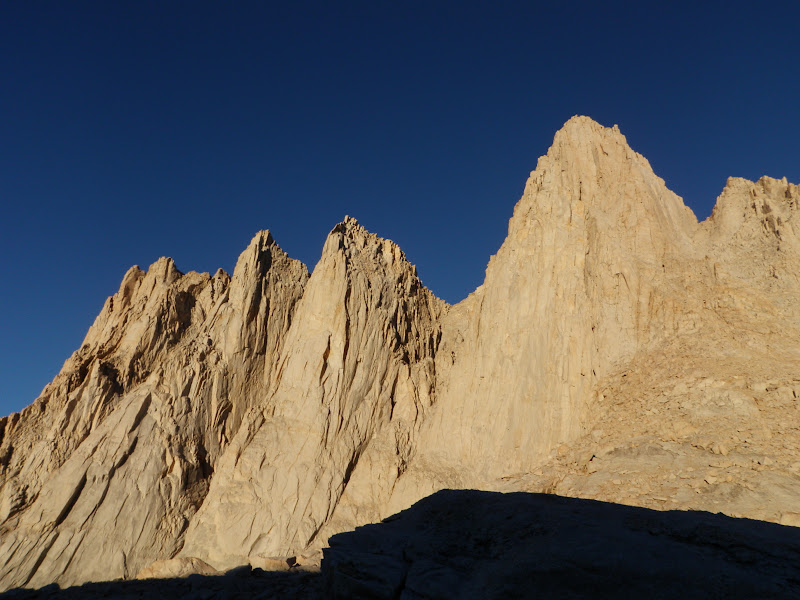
pixel 242 582
pixel 469 544
pixel 617 350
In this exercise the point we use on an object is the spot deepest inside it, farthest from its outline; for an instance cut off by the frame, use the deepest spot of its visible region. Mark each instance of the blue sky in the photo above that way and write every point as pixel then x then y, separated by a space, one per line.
pixel 133 130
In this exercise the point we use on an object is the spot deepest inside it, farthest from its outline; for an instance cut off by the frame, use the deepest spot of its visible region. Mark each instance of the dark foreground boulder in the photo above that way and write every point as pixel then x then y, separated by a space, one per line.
pixel 241 583
pixel 470 544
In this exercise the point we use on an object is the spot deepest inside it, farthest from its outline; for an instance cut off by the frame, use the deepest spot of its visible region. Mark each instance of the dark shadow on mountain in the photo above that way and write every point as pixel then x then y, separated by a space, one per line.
pixel 237 584
pixel 470 544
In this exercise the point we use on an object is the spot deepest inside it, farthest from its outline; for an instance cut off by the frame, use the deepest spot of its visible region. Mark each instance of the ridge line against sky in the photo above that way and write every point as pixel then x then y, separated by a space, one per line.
pixel 139 130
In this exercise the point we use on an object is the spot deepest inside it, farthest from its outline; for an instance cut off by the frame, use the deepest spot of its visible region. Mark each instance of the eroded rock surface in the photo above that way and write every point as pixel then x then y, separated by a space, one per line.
pixel 355 376
pixel 617 350
pixel 102 474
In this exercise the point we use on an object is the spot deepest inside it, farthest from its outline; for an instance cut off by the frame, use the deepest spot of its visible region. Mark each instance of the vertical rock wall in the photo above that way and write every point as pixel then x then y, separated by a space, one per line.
pixel 361 348
pixel 575 288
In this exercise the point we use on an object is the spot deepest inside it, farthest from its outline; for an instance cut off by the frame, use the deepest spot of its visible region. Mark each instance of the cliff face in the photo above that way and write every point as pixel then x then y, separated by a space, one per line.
pixel 106 469
pixel 354 377
pixel 578 286
pixel 615 349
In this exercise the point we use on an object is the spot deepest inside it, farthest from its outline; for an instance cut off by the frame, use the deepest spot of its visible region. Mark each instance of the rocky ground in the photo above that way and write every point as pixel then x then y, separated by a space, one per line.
pixel 238 584
pixel 701 433
pixel 470 544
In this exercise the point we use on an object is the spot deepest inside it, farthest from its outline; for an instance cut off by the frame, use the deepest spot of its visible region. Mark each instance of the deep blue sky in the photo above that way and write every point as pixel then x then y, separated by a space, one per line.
pixel 132 130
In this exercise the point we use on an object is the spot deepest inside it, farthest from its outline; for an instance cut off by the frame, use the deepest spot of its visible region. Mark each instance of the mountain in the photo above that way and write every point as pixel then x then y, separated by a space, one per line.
pixel 617 350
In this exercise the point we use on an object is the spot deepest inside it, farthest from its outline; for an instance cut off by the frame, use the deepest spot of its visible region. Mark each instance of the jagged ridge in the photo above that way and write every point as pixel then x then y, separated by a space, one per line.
pixel 231 419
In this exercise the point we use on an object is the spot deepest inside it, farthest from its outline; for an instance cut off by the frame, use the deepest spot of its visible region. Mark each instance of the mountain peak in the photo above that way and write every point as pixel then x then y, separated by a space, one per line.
pixel 584 136
pixel 234 419
pixel 588 123
pixel 263 237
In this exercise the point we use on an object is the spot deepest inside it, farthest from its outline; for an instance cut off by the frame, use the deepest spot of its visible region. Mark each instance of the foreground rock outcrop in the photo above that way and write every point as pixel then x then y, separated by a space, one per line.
pixel 242 582
pixel 468 544
pixel 617 350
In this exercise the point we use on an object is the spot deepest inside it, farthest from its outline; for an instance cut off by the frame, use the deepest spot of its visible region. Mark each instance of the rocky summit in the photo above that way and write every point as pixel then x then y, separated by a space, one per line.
pixel 617 351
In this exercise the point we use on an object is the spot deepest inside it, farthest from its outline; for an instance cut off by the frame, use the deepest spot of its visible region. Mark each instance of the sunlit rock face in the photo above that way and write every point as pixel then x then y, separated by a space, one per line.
pixel 617 350
pixel 106 469
pixel 354 378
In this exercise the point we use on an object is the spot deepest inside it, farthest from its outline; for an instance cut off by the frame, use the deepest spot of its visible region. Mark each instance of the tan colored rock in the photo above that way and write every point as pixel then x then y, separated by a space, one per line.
pixel 590 273
pixel 272 563
pixel 176 567
pixel 355 375
pixel 610 308
pixel 101 475
pixel 790 518
pixel 617 350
